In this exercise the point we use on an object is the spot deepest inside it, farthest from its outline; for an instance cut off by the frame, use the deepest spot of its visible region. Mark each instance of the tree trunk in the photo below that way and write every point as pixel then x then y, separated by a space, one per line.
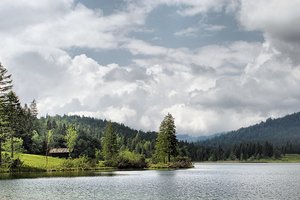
pixel 169 157
pixel 0 152
pixel 12 147
pixel 46 155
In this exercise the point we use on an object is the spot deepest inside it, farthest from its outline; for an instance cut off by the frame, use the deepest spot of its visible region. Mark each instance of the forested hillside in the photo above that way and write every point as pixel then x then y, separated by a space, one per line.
pixel 90 131
pixel 272 138
pixel 280 132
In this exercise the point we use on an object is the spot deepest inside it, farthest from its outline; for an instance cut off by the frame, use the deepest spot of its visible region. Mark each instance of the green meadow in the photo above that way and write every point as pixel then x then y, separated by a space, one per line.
pixel 33 163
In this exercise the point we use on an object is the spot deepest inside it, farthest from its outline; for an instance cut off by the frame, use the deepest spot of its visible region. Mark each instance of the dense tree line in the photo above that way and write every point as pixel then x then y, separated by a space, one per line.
pixel 242 151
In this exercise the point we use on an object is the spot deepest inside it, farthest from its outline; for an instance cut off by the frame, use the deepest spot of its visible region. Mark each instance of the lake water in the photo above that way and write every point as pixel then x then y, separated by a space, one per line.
pixel 205 181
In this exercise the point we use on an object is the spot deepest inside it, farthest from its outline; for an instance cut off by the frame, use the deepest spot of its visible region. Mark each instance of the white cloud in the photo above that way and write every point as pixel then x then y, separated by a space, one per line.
pixel 274 17
pixel 278 21
pixel 208 89
pixel 190 31
pixel 201 29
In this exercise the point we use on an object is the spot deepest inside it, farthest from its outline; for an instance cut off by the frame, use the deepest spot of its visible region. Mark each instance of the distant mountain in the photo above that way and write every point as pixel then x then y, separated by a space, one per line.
pixel 278 131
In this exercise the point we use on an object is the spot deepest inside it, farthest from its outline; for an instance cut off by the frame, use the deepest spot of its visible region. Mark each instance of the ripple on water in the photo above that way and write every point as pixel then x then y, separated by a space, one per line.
pixel 205 181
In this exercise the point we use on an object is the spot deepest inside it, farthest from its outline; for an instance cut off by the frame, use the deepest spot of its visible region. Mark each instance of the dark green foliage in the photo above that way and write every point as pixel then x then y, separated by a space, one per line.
pixel 109 143
pixel 242 151
pixel 128 159
pixel 15 165
pixel 86 145
pixel 166 142
pixel 14 117
pixel 5 88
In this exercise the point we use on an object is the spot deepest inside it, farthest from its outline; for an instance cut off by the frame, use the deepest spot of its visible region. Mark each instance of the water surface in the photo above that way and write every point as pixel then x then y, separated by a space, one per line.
pixel 205 181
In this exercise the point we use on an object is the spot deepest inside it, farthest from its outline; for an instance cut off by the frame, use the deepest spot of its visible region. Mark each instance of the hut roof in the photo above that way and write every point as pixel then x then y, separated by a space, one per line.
pixel 59 150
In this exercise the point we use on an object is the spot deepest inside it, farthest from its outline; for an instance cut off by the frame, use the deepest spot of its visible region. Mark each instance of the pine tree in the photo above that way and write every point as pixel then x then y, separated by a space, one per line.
pixel 33 109
pixel 166 142
pixel 109 143
pixel 13 110
pixel 27 128
pixel 29 123
pixel 5 87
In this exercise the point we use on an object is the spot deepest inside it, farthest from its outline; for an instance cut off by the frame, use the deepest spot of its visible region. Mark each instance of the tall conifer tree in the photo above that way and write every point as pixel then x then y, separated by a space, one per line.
pixel 14 113
pixel 166 142
pixel 109 143
pixel 5 87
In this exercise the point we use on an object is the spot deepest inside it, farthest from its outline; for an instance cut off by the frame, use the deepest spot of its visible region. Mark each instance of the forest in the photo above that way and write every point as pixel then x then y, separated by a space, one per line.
pixel 117 145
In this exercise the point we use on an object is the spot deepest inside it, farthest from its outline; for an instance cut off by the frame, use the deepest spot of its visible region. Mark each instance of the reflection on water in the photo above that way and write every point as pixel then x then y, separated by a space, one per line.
pixel 205 181
pixel 55 174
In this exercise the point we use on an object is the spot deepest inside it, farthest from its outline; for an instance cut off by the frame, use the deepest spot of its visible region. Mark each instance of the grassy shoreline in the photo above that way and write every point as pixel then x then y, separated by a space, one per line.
pixel 37 163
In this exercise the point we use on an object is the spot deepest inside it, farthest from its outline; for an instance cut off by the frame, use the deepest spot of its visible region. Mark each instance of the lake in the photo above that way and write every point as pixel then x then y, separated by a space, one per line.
pixel 205 181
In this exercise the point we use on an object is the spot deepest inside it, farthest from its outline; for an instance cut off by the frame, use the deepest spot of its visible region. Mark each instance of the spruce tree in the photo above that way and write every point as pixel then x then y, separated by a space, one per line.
pixel 5 87
pixel 166 142
pixel 27 122
pixel 33 109
pixel 14 113
pixel 109 143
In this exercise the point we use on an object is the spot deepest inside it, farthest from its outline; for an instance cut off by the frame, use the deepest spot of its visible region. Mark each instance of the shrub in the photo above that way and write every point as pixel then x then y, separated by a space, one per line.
pixel 182 162
pixel 128 159
pixel 6 160
pixel 101 164
pixel 78 163
pixel 111 163
pixel 82 162
pixel 15 165
pixel 67 164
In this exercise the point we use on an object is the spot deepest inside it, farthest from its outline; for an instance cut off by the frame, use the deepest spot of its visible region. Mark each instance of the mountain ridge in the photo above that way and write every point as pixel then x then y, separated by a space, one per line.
pixel 278 131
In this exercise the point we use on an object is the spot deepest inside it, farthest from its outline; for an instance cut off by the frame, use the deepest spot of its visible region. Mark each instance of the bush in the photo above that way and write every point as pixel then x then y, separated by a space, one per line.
pixel 128 159
pixel 15 165
pixel 67 164
pixel 6 160
pixel 101 164
pixel 277 154
pixel 110 163
pixel 81 163
pixel 182 162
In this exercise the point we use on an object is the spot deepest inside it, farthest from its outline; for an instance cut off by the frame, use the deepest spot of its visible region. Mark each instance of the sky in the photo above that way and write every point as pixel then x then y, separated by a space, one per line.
pixel 215 65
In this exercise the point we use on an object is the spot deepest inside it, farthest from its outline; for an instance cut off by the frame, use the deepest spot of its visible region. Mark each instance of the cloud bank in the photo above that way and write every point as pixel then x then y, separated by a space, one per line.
pixel 209 88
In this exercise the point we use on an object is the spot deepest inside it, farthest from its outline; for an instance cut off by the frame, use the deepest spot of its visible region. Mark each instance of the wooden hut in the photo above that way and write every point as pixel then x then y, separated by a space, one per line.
pixel 59 152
